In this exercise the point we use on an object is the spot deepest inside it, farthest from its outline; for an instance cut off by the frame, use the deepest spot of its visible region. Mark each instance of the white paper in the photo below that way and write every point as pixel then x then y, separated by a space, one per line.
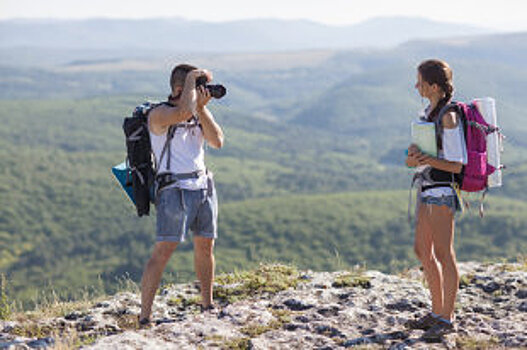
pixel 424 136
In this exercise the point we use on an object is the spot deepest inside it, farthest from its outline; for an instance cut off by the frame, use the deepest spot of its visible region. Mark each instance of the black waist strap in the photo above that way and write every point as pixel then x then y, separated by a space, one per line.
pixel 166 179
pixel 424 188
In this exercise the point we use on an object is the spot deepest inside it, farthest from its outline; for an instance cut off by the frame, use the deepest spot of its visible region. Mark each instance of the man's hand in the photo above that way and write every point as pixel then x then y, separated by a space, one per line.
pixel 203 96
pixel 196 73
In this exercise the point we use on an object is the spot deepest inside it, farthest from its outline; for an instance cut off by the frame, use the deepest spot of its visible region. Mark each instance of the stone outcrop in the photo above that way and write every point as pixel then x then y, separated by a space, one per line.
pixel 321 311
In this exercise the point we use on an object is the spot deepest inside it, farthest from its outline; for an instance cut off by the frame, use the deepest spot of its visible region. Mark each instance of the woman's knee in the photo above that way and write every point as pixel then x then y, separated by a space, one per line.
pixel 445 255
pixel 423 254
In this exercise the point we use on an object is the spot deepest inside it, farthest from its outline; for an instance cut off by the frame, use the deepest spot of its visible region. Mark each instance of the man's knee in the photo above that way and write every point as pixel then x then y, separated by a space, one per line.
pixel 204 247
pixel 163 251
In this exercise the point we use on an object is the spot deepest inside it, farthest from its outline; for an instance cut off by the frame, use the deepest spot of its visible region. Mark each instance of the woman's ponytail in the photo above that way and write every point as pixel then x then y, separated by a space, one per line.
pixel 438 72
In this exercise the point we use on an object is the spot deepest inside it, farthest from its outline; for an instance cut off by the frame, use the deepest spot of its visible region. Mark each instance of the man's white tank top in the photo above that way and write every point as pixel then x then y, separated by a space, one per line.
pixel 186 155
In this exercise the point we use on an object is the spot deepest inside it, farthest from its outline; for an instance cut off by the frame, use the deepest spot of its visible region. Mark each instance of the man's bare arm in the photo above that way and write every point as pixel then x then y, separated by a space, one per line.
pixel 164 116
pixel 211 130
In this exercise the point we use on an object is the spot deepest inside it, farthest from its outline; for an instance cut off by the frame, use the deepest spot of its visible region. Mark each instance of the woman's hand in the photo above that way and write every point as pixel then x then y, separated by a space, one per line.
pixel 416 157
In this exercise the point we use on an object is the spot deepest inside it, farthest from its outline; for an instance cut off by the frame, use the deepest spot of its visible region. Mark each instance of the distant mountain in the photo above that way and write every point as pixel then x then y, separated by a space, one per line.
pixel 258 35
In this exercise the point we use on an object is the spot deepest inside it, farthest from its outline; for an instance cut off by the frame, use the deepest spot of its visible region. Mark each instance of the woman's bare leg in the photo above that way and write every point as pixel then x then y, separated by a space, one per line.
pixel 425 253
pixel 442 221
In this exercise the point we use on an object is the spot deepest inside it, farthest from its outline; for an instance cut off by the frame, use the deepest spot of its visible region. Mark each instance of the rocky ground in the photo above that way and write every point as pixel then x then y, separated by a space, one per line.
pixel 277 307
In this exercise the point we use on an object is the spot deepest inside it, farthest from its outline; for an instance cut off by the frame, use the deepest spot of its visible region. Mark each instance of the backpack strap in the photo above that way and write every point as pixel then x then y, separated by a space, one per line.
pixel 441 178
pixel 439 121
pixel 170 135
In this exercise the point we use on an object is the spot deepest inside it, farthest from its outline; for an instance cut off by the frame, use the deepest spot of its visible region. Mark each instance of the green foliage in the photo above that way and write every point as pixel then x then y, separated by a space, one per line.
pixel 184 302
pixel 32 330
pixel 471 343
pixel 243 343
pixel 311 172
pixel 5 307
pixel 271 278
pixel 352 279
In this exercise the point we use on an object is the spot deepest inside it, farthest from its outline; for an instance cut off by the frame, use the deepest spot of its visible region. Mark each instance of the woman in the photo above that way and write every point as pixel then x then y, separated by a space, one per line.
pixel 437 199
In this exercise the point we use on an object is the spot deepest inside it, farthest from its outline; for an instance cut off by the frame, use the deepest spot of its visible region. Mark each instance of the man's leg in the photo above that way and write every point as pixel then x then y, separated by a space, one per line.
pixel 152 275
pixel 204 265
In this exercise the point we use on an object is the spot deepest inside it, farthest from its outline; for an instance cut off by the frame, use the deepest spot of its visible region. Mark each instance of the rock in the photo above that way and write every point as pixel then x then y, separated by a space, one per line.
pixel 483 309
pixel 398 346
pixel 329 311
pixel 402 305
pixel 491 287
pixel 397 335
pixel 302 319
pixel 368 331
pixel 297 305
pixel 72 316
pixel 356 341
pixel 294 326
pixel 312 315
pixel 374 308
pixel 103 304
pixel 165 320
pixel 391 320
pixel 345 296
pixel 41 343
pixel 328 331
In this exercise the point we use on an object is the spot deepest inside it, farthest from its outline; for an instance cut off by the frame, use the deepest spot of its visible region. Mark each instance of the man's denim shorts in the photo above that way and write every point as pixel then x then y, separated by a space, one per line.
pixel 179 209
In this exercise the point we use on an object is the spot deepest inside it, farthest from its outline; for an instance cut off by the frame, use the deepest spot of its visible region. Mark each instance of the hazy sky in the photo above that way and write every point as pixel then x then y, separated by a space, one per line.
pixel 499 14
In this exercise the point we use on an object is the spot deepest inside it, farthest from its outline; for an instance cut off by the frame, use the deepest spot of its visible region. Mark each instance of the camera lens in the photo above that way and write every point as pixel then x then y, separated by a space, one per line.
pixel 216 91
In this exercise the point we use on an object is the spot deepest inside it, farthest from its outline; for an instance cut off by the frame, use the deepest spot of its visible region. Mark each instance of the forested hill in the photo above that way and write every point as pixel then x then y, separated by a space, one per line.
pixel 311 173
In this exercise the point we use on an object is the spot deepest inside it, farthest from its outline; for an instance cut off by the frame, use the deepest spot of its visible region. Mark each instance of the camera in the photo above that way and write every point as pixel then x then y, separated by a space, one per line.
pixel 216 90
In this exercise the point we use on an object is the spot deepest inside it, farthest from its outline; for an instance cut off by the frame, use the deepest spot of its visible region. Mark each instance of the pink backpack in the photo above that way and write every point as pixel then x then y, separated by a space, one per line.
pixel 477 169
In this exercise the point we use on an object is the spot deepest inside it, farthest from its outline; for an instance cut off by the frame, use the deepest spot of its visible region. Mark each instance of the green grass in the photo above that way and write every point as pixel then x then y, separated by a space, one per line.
pixel 352 279
pixel 252 283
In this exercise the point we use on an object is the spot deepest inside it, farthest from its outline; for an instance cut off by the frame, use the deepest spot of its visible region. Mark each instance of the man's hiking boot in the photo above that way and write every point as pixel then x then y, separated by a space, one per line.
pixel 425 322
pixel 435 333
pixel 144 323
pixel 209 308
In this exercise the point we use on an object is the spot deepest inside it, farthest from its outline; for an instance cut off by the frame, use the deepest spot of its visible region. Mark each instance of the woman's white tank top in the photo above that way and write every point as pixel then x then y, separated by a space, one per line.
pixel 186 155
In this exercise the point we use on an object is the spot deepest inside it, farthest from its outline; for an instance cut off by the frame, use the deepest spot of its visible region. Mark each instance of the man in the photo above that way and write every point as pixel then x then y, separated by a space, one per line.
pixel 186 197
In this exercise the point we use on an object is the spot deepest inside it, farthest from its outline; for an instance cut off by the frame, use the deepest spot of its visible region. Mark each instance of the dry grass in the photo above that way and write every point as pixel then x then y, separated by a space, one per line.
pixel 469 343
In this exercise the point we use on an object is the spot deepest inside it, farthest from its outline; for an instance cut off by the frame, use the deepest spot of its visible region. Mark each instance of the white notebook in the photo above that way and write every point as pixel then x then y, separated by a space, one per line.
pixel 424 136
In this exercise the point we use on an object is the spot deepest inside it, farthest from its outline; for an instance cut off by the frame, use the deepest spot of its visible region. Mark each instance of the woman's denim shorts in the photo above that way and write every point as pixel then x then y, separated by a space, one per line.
pixel 450 201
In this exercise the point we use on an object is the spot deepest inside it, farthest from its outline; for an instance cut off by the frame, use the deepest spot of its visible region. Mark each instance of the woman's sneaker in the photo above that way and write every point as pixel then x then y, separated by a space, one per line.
pixel 435 333
pixel 425 322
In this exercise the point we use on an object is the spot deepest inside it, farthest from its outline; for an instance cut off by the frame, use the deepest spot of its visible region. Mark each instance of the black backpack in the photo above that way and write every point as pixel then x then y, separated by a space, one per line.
pixel 140 161
pixel 141 173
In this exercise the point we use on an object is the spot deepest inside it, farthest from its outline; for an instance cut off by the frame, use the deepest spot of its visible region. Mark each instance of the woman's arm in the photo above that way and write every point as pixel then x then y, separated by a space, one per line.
pixel 450 121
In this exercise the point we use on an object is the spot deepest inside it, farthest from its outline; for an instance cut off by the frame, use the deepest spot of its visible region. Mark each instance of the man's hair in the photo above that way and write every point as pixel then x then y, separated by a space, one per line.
pixel 179 73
